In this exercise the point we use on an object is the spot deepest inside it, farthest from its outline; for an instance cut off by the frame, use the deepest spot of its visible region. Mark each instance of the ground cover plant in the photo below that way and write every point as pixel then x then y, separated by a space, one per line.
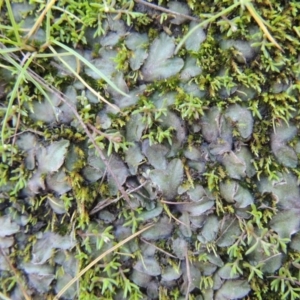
pixel 149 150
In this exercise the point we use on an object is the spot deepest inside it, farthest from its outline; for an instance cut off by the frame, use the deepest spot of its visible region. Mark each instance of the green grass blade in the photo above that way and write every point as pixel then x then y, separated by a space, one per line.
pixel 48 25
pixel 220 14
pixel 39 87
pixel 3 297
pixel 8 50
pixel 13 95
pixel 9 59
pixel 87 63
pixel 13 22
pixel 82 80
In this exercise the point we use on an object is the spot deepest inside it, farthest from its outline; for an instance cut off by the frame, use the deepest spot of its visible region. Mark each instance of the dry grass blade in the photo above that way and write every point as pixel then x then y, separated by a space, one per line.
pixel 40 19
pixel 116 108
pixel 242 3
pixel 90 65
pixel 261 24
pixel 98 259
pixel 168 212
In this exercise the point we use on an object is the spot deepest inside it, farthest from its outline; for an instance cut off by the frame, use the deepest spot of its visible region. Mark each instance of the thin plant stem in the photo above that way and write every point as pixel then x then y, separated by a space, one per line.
pixel 16 275
pixel 13 95
pixel 95 261
pixel 83 81
pixel 13 21
pixel 108 201
pixel 188 273
pixel 39 21
pixel 159 249
pixel 37 80
pixel 168 11
pixel 68 13
pixel 261 24
pixel 241 3
pixel 216 16
pixel 90 65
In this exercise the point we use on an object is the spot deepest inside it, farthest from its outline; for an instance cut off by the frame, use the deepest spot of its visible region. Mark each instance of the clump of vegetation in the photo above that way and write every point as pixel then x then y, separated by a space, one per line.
pixel 149 151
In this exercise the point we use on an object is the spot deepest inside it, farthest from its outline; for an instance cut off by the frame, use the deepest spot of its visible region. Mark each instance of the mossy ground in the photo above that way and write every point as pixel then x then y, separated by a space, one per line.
pixel 205 147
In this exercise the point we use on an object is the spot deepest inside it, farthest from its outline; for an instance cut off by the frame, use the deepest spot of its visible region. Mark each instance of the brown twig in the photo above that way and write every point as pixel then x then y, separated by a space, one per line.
pixel 109 201
pixel 16 275
pixel 285 278
pixel 168 11
pixel 28 130
pixel 114 137
pixel 159 249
